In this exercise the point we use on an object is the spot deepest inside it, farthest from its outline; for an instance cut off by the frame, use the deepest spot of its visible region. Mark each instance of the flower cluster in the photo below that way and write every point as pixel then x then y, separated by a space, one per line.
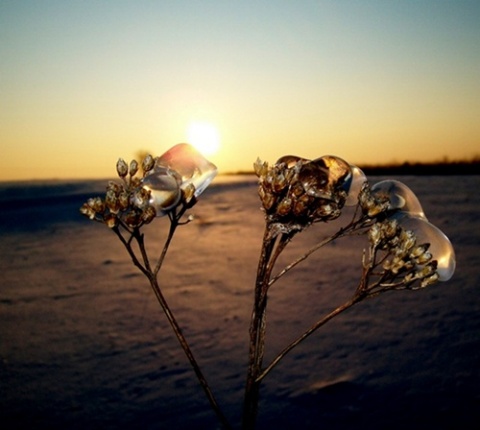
pixel 126 202
pixel 414 253
pixel 171 181
pixel 372 205
pixel 296 192
pixel 405 261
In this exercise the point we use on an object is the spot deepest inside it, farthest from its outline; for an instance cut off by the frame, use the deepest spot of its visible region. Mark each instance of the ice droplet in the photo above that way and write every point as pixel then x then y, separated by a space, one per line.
pixel 323 176
pixel 400 196
pixel 164 187
pixel 192 167
pixel 440 246
pixel 354 183
pixel 338 170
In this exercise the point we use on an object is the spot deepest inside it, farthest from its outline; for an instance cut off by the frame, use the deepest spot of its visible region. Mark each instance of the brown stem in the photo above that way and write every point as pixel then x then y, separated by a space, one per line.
pixel 152 277
pixel 271 249
pixel 188 352
pixel 131 253
pixel 354 224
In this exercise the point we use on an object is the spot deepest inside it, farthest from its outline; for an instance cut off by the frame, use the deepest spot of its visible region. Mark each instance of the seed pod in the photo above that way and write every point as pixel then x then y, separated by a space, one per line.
pixel 111 201
pixel 149 214
pixel 284 207
pixel 122 168
pixel 111 220
pixel 147 163
pixel 133 167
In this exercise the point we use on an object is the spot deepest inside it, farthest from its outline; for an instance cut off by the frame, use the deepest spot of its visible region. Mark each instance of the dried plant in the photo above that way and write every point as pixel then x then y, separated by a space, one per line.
pixel 404 250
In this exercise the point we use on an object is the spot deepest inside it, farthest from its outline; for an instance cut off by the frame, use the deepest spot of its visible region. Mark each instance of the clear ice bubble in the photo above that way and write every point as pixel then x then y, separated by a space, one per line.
pixel 164 186
pixel 400 196
pixel 290 160
pixel 322 176
pixel 338 169
pixel 354 185
pixel 440 246
pixel 314 179
pixel 192 167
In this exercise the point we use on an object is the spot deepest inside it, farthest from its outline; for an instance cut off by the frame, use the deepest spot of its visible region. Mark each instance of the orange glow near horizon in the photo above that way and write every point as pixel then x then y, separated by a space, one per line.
pixel 83 85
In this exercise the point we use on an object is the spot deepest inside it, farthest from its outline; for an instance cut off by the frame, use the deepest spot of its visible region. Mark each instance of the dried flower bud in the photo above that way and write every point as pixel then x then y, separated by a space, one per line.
pixel 375 234
pixel 132 218
pixel 296 192
pixel 87 210
pixel 122 168
pixel 133 167
pixel 111 201
pixel 390 229
pixel 260 168
pixel 141 198
pixel 148 163
pixel 429 280
pixel 111 220
pixel 123 200
pixel 285 206
pixel 97 204
pixel 372 205
pixel 113 186
pixel 149 214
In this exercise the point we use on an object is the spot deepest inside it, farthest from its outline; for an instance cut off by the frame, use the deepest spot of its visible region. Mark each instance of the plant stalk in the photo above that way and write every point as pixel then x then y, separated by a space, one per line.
pixel 188 352
pixel 152 276
pixel 271 249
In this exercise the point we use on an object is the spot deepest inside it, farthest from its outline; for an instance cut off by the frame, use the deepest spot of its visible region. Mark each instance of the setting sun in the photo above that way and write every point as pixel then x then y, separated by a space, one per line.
pixel 204 136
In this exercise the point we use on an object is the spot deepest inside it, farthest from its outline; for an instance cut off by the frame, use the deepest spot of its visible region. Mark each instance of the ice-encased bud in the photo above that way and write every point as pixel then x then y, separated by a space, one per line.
pixel 325 176
pixel 290 160
pixel 440 246
pixel 191 166
pixel 164 186
pixel 401 197
pixel 354 185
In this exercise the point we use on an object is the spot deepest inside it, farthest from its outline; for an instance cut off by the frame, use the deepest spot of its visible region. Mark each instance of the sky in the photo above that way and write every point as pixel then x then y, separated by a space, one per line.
pixel 83 83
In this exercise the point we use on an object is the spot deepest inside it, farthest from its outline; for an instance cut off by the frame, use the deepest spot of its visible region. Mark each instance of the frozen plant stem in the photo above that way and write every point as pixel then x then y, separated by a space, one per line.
pixel 295 193
pixel 152 276
pixel 272 246
pixel 271 249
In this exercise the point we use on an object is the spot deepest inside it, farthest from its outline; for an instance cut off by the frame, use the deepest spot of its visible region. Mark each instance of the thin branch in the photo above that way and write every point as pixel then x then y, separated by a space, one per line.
pixel 358 224
pixel 312 329
pixel 188 352
pixel 141 244
pixel 174 223
pixel 128 247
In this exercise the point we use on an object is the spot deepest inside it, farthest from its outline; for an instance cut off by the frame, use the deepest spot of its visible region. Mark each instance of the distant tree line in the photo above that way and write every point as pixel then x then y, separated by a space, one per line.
pixel 444 167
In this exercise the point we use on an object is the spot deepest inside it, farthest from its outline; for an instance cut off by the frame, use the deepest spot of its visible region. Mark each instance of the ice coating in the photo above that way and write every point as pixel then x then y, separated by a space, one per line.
pixel 355 184
pixel 323 176
pixel 290 160
pixel 440 246
pixel 400 196
pixel 164 186
pixel 192 167
pixel 181 166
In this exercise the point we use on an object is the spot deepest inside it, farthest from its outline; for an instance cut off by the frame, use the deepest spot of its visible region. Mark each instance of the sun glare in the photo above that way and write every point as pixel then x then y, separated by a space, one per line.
pixel 204 136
